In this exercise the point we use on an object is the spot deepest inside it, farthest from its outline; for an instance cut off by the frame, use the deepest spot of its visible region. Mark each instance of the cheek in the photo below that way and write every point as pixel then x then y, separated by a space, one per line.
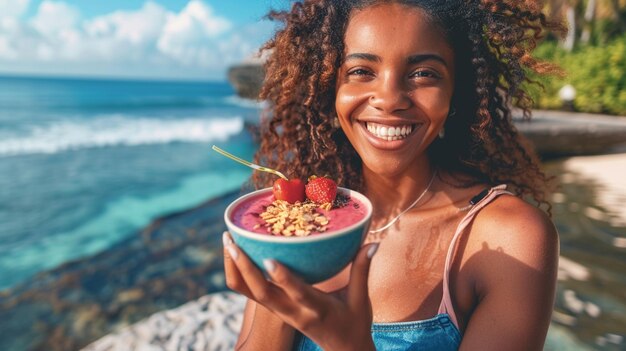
pixel 439 110
pixel 434 104
pixel 348 100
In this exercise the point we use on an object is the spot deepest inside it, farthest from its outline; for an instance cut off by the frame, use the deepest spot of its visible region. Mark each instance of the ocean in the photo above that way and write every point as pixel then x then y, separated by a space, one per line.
pixel 85 163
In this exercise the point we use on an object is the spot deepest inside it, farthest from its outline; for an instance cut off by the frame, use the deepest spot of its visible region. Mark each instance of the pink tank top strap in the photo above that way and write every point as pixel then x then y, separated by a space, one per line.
pixel 478 202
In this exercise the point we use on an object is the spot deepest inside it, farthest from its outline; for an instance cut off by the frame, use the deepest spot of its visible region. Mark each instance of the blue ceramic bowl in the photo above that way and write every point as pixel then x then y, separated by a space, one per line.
pixel 314 258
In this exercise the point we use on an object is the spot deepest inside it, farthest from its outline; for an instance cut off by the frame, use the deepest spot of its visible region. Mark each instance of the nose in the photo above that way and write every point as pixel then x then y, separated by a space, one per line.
pixel 389 95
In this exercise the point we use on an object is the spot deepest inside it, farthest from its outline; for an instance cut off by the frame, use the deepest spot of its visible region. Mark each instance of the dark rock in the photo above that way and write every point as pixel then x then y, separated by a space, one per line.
pixel 176 259
pixel 560 133
pixel 247 79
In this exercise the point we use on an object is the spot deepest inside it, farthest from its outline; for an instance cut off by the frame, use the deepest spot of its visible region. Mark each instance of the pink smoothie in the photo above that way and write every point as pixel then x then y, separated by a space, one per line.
pixel 246 214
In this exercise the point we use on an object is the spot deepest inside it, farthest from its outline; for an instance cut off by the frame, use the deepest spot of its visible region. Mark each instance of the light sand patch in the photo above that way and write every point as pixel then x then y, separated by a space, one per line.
pixel 569 269
pixel 608 173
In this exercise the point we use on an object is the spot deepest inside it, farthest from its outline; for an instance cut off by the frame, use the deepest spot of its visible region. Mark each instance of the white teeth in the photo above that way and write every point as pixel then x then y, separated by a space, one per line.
pixel 389 133
pixel 382 131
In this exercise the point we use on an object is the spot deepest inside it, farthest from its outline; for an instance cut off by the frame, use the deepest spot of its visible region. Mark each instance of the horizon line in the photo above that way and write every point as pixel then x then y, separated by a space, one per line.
pixel 109 78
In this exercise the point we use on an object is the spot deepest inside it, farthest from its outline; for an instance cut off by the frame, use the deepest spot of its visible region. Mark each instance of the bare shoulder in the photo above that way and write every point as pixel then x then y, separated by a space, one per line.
pixel 516 227
pixel 510 233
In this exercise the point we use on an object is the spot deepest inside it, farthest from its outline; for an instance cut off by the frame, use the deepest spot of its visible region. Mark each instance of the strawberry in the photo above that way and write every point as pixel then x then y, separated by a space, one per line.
pixel 321 189
pixel 291 190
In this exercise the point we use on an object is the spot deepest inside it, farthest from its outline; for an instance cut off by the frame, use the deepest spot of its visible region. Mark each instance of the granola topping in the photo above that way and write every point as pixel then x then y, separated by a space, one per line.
pixel 299 219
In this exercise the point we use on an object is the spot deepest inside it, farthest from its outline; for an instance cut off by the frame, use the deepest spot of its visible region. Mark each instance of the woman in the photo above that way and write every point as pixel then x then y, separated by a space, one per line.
pixel 410 103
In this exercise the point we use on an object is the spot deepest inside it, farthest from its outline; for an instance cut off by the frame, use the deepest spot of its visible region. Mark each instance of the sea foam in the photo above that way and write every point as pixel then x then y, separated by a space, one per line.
pixel 235 100
pixel 117 130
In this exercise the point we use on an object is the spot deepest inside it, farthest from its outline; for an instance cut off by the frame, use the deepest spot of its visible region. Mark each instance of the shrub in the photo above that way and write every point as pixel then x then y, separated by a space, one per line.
pixel 597 73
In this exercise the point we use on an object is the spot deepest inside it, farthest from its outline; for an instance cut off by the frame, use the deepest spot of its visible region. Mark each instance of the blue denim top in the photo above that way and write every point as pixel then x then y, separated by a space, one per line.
pixel 437 333
pixel 440 333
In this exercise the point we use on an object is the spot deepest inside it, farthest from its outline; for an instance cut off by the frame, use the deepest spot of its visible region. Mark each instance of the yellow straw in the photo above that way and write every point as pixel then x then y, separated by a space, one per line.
pixel 249 164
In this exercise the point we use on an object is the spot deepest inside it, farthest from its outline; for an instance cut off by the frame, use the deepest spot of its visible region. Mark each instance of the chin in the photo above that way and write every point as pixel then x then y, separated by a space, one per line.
pixel 387 168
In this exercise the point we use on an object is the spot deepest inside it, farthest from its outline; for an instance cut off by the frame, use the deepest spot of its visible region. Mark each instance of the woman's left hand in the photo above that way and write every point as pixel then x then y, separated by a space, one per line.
pixel 331 321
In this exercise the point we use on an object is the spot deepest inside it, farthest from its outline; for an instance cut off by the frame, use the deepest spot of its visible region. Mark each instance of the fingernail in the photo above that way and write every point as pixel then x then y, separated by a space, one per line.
pixel 226 239
pixel 269 264
pixel 372 250
pixel 232 251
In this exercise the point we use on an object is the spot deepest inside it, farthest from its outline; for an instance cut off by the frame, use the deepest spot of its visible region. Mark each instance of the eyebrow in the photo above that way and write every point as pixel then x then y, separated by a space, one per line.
pixel 413 59
pixel 424 57
pixel 362 56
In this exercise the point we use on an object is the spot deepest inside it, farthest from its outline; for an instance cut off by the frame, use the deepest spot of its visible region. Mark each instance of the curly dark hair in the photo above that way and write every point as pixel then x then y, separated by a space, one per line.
pixel 492 41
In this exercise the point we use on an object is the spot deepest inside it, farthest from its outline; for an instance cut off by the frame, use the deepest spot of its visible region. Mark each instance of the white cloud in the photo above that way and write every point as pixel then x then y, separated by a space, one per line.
pixel 196 16
pixel 11 12
pixel 13 8
pixel 6 51
pixel 54 18
pixel 195 42
pixel 125 36
pixel 189 36
pixel 138 27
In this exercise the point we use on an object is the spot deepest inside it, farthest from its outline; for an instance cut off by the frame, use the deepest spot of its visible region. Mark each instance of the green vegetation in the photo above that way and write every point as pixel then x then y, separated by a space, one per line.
pixel 592 55
pixel 597 73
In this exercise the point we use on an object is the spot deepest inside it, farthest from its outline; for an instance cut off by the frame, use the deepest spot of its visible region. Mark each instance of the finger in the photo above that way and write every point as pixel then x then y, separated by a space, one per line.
pixel 357 289
pixel 234 280
pixel 261 290
pixel 293 286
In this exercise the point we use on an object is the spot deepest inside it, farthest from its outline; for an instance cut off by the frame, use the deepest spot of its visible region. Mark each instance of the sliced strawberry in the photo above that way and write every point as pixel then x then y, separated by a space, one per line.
pixel 291 190
pixel 321 190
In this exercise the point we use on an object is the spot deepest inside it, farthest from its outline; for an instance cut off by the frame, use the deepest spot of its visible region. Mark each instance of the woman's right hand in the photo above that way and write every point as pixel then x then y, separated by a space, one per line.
pixel 332 322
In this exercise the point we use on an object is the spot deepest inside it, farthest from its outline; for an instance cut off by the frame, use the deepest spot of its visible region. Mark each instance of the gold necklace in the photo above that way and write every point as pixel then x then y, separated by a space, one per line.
pixel 386 226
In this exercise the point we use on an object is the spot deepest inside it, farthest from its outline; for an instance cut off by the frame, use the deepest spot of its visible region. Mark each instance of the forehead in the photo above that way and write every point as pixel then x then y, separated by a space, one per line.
pixel 385 27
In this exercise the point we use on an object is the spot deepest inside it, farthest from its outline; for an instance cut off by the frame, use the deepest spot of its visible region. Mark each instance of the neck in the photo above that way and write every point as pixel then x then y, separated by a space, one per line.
pixel 391 194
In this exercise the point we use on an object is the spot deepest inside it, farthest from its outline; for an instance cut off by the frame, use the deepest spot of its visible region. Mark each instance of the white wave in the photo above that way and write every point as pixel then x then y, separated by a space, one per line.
pixel 118 131
pixel 246 103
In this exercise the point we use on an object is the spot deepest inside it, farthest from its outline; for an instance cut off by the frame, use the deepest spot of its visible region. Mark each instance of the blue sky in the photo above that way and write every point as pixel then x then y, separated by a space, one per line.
pixel 158 39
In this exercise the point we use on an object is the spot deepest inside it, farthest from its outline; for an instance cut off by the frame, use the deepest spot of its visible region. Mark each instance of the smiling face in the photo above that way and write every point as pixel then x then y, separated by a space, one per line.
pixel 394 87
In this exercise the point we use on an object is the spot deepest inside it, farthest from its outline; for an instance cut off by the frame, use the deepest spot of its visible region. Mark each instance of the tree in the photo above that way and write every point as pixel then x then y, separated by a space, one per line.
pixel 582 17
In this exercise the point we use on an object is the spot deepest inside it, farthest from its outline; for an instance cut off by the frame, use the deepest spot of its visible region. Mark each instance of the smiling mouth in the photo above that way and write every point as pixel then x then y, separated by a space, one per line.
pixel 388 132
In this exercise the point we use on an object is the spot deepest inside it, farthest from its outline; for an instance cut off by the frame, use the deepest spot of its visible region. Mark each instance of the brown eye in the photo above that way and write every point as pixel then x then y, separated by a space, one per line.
pixel 359 72
pixel 425 74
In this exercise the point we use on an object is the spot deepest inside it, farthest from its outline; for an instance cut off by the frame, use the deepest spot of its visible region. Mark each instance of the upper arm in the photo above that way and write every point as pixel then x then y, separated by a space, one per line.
pixel 514 266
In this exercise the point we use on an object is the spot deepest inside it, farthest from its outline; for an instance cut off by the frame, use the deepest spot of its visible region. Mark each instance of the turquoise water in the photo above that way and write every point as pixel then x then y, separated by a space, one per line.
pixel 85 163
